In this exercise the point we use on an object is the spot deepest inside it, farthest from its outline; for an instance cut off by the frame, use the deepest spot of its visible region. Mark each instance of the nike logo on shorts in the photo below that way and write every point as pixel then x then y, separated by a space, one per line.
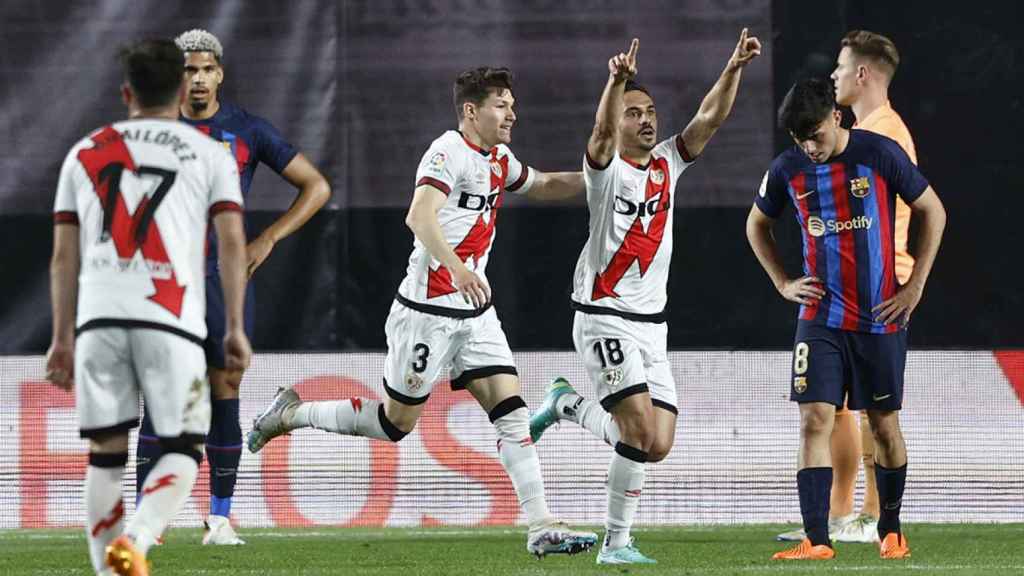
pixel 879 397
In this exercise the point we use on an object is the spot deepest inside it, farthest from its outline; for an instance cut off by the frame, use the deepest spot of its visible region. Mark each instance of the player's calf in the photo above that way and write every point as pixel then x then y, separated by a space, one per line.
pixel 103 503
pixel 352 417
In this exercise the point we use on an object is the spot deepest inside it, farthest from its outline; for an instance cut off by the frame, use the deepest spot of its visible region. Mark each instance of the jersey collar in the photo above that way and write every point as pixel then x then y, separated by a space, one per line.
pixel 641 167
pixel 481 151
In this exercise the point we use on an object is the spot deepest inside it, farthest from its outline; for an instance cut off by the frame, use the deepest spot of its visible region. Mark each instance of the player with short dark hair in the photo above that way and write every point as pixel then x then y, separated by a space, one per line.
pixel 621 281
pixel 851 338
pixel 131 213
pixel 251 140
pixel 442 318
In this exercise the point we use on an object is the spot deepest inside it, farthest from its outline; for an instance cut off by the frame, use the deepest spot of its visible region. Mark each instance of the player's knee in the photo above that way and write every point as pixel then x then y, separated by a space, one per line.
pixel 885 428
pixel 114 443
pixel 658 451
pixel 185 444
pixel 664 439
pixel 637 432
pixel 886 437
pixel 396 428
pixel 814 423
pixel 108 459
pixel 511 419
pixel 401 417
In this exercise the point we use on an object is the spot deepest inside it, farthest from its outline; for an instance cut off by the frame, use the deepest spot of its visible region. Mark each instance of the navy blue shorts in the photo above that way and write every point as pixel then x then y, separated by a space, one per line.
pixel 862 370
pixel 213 346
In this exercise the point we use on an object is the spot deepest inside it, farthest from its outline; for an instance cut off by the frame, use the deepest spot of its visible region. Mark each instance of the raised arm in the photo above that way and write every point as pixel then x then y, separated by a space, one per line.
pixel 422 220
pixel 718 103
pixel 604 138
pixel 313 194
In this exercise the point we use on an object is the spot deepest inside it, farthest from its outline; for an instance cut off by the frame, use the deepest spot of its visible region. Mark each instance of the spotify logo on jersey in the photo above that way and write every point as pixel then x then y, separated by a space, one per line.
pixel 815 226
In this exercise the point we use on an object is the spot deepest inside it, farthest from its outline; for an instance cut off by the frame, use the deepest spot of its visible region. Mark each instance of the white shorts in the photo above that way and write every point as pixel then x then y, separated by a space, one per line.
pixel 421 346
pixel 113 365
pixel 625 357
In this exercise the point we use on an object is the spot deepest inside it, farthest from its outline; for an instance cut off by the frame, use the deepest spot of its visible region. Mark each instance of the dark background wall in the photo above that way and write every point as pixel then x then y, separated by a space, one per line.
pixel 362 88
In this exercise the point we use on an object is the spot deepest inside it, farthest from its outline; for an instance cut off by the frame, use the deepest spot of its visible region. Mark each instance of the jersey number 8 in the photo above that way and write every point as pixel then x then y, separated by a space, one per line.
pixel 800 358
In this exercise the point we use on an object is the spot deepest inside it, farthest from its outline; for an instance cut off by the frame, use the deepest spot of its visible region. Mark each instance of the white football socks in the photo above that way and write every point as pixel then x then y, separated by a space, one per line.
pixel 104 509
pixel 167 487
pixel 590 415
pixel 519 457
pixel 625 482
pixel 352 417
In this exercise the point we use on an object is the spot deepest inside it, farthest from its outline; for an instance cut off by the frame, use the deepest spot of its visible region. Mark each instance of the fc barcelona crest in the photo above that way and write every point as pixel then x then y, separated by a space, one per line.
pixel 860 187
pixel 800 384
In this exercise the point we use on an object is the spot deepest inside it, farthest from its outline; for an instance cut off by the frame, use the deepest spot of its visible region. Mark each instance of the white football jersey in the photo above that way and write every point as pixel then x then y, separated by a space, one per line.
pixel 142 192
pixel 624 264
pixel 474 180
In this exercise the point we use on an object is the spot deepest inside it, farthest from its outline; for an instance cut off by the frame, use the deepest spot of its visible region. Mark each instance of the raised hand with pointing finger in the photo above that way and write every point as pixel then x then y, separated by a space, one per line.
pixel 748 48
pixel 622 67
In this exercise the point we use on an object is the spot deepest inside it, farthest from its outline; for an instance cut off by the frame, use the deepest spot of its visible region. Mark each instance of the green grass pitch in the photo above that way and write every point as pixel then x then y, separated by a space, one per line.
pixel 960 549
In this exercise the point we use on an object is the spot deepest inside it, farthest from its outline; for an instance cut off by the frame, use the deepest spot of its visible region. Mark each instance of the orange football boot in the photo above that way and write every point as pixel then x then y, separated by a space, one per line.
pixel 894 546
pixel 806 551
pixel 125 559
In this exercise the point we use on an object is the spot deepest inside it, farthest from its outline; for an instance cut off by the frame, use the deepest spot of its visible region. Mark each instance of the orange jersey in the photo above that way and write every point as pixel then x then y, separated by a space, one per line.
pixel 885 121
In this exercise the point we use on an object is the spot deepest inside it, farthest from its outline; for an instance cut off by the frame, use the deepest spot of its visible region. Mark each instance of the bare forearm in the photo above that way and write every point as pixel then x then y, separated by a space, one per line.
pixel 232 263
pixel 428 231
pixel 932 225
pixel 717 104
pixel 762 242
pixel 64 296
pixel 311 198
pixel 557 186
pixel 601 146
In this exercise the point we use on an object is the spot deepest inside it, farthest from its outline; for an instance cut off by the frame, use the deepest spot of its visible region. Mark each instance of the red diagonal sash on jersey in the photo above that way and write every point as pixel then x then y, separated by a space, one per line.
pixel 110 150
pixel 477 240
pixel 638 244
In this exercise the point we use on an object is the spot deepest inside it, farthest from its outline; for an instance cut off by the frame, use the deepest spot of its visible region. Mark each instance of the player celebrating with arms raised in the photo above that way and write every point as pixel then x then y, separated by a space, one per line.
pixel 851 341
pixel 442 315
pixel 621 282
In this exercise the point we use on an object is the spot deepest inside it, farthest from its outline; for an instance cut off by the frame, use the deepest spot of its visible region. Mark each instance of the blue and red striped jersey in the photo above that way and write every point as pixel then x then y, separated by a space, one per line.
pixel 846 211
pixel 251 140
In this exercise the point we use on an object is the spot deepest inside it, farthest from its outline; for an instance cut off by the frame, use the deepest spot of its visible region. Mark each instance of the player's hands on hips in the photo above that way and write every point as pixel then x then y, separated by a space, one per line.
pixel 623 66
pixel 806 290
pixel 257 251
pixel 899 307
pixel 60 364
pixel 748 48
pixel 472 288
pixel 237 350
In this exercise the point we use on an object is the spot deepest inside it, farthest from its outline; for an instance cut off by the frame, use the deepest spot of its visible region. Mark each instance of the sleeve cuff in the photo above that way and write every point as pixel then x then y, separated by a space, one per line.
pixel 65 217
pixel 428 181
pixel 593 163
pixel 224 206
pixel 524 175
pixel 683 152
